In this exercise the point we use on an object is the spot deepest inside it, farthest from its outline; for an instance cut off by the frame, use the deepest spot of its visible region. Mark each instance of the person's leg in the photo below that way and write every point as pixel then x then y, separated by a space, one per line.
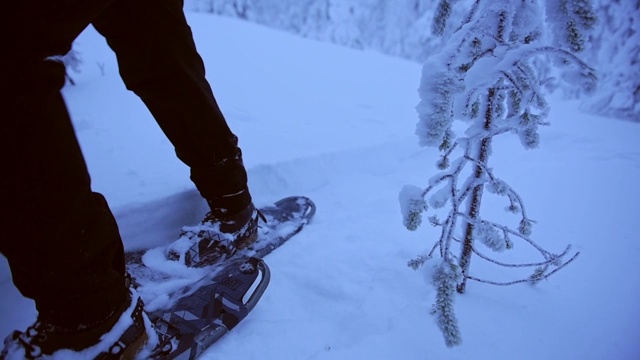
pixel 159 62
pixel 60 239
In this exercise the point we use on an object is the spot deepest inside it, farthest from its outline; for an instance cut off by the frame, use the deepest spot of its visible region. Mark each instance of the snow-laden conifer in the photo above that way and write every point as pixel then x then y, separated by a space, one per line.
pixel 402 28
pixel 489 78
pixel 616 51
pixel 571 22
pixel 441 15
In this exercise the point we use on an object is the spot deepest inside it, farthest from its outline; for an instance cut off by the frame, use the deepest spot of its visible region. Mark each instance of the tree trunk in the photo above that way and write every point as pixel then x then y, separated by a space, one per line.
pixel 476 195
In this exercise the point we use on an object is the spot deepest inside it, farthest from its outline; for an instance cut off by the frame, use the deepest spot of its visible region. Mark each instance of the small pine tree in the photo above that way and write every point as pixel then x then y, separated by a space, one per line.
pixel 485 77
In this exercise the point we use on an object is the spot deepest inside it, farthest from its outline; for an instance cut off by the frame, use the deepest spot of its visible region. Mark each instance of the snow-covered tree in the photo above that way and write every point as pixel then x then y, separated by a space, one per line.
pixel 392 27
pixel 485 78
pixel 401 28
pixel 616 54
pixel 571 22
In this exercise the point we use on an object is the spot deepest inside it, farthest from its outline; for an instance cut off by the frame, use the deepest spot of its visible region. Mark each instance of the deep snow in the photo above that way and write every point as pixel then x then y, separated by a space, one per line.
pixel 337 125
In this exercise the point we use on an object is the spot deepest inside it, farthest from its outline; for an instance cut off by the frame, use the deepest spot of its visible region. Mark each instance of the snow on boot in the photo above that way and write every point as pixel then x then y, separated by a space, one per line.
pixel 216 238
pixel 127 334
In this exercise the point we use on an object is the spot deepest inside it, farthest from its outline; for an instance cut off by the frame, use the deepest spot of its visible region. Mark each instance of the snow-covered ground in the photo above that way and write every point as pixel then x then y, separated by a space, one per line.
pixel 337 125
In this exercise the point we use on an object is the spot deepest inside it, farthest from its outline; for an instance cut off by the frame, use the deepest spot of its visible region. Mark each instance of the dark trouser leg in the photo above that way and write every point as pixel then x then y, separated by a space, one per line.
pixel 159 62
pixel 60 239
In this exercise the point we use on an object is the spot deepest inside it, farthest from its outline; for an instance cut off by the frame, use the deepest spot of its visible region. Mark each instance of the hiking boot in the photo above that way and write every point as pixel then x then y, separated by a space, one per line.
pixel 216 238
pixel 122 336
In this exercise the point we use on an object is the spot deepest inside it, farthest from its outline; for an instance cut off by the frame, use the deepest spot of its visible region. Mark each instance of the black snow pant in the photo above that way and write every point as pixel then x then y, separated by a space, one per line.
pixel 60 238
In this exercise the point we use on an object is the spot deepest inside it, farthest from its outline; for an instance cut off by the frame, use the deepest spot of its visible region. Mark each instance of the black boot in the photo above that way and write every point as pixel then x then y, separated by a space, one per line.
pixel 122 335
pixel 217 237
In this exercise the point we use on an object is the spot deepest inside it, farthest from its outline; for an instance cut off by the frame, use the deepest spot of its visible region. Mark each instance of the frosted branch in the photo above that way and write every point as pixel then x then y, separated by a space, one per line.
pixel 470 16
pixel 560 52
pixel 527 280
pixel 445 279
pixel 521 265
pixel 511 194
pixel 506 229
